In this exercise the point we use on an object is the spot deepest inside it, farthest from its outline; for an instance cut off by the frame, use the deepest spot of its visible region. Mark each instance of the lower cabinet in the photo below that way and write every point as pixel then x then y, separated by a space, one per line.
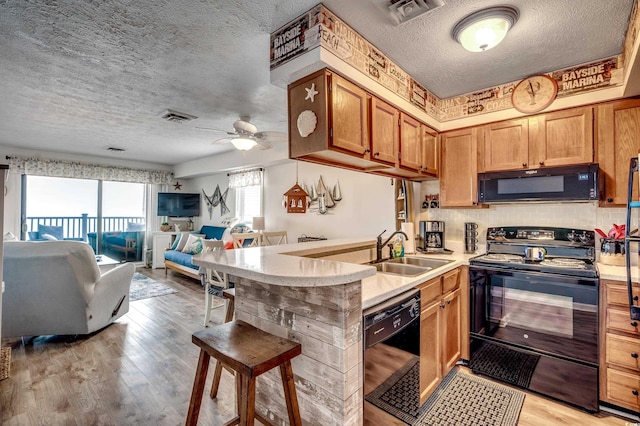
pixel 161 242
pixel 440 329
pixel 619 347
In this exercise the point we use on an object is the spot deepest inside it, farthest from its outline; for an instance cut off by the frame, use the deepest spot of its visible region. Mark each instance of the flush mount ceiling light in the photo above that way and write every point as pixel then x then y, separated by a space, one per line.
pixel 243 144
pixel 486 28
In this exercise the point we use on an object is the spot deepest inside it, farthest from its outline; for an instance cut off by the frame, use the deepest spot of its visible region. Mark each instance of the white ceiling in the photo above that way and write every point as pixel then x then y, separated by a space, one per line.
pixel 79 76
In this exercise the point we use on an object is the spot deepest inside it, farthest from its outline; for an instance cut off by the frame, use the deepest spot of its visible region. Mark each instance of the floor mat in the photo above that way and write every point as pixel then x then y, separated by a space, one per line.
pixel 143 287
pixel 502 363
pixel 400 393
pixel 5 363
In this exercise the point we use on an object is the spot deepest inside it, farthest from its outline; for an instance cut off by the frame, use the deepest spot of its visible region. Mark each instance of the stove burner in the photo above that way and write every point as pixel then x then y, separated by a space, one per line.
pixel 563 262
pixel 500 257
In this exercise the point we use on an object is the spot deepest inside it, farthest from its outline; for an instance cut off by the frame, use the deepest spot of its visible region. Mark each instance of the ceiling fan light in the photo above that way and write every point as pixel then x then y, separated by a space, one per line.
pixel 243 144
pixel 485 29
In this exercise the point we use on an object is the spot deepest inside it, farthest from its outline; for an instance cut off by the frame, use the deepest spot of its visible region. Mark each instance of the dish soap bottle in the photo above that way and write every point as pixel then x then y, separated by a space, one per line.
pixel 398 248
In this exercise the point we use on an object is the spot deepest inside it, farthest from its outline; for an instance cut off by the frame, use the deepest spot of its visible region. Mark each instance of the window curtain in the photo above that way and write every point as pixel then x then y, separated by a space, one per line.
pixel 152 219
pixel 68 169
pixel 245 178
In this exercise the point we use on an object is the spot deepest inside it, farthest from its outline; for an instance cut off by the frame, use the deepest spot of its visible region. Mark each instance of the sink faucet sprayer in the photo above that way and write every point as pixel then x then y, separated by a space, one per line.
pixel 380 244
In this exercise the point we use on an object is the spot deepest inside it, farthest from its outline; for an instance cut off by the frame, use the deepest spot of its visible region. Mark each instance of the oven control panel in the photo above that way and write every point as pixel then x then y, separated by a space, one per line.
pixel 535 235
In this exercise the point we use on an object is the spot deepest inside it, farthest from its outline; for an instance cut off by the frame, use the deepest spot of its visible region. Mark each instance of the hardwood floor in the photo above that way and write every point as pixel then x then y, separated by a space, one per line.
pixel 140 371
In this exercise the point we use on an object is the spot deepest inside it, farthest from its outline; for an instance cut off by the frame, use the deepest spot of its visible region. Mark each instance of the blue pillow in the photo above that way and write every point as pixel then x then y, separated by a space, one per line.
pixel 132 226
pixel 34 235
pixel 55 231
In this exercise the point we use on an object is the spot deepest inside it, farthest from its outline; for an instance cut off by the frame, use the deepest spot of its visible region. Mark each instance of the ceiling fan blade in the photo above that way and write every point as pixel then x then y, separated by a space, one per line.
pixel 263 144
pixel 272 136
pixel 221 141
pixel 210 129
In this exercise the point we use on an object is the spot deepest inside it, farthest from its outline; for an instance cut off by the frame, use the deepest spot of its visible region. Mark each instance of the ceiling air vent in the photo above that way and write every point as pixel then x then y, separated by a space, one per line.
pixel 406 10
pixel 176 116
pixel 114 149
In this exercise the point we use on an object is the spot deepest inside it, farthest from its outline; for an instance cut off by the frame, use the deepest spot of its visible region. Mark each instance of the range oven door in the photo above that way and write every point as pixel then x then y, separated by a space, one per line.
pixel 538 331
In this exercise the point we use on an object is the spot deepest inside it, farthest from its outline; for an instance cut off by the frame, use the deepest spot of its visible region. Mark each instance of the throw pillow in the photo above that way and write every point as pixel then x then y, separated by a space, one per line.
pixel 193 245
pixel 48 237
pixel 228 245
pixel 33 235
pixel 132 226
pixel 10 237
pixel 55 231
pixel 184 236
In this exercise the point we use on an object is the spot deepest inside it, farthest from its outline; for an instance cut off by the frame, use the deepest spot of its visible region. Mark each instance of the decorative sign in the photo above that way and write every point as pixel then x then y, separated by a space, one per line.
pixel 586 77
pixel 217 198
pixel 290 41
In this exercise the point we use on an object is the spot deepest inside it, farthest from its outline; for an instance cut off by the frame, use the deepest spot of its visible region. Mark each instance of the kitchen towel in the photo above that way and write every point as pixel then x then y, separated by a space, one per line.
pixel 410 244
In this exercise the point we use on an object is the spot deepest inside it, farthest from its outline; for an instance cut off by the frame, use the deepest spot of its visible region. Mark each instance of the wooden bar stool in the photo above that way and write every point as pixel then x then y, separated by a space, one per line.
pixel 250 352
pixel 230 295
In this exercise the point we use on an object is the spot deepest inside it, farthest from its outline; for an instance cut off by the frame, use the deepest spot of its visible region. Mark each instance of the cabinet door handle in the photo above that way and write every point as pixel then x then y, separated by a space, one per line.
pixel 442 306
pixel 524 164
pixel 375 154
pixel 635 298
pixel 609 200
pixel 541 163
pixel 366 151
pixel 634 355
pixel 448 302
pixel 634 323
pixel 635 392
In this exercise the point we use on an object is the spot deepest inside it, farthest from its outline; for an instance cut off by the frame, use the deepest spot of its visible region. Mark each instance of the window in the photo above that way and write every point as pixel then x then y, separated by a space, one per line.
pixel 248 203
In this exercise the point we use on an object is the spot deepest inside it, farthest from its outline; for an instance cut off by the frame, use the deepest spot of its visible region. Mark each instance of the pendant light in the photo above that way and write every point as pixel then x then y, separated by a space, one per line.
pixel 486 28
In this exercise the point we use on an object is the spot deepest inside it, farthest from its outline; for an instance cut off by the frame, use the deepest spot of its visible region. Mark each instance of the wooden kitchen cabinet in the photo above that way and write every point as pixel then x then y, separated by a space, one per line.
pixel 440 329
pixel 430 152
pixel 506 145
pixel 349 116
pixel 384 132
pixel 618 140
pixel 410 142
pixel 459 167
pixel 620 347
pixel 554 139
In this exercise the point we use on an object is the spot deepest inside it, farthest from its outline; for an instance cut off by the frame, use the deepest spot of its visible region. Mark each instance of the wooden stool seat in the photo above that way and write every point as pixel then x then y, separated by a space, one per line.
pixel 250 352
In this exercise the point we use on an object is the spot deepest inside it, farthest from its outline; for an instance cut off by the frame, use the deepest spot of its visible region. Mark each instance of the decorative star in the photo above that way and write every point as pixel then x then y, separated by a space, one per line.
pixel 177 186
pixel 311 92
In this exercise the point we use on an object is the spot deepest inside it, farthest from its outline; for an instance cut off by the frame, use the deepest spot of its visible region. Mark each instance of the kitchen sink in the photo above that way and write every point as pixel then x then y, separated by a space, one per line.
pixel 400 269
pixel 420 261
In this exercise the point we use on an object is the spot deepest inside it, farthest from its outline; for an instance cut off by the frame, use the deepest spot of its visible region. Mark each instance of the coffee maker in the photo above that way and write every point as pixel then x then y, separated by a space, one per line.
pixel 432 236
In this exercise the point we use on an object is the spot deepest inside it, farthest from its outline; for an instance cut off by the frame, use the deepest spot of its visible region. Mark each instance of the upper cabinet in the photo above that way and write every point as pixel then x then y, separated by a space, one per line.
pixel 618 140
pixel 552 139
pixel 459 173
pixel 410 142
pixel 349 117
pixel 335 122
pixel 384 132
pixel 430 152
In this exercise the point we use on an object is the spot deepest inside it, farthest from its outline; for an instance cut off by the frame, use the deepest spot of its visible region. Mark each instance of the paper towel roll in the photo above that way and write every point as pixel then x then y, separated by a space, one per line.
pixel 410 244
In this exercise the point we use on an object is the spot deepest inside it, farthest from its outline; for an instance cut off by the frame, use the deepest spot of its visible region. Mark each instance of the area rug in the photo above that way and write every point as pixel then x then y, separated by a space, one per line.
pixel 143 287
pixel 497 361
pixel 461 399
pixel 5 363
pixel 399 395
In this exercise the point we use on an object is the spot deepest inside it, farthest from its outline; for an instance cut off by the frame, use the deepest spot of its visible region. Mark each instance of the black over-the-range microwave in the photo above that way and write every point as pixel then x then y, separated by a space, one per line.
pixel 567 183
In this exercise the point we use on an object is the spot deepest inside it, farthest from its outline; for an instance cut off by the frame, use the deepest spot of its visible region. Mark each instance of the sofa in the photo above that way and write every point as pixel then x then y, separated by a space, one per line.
pixel 56 288
pixel 121 244
pixel 179 260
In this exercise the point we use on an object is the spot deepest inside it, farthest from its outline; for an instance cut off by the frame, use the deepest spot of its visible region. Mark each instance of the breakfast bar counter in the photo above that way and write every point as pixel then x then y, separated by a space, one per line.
pixel 293 292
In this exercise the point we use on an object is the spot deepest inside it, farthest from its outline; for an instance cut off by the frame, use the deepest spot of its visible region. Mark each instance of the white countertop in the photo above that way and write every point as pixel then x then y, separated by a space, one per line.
pixel 286 265
pixel 616 273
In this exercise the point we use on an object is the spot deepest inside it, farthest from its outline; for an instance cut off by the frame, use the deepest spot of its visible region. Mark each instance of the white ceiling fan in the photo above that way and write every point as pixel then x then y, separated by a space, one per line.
pixel 246 136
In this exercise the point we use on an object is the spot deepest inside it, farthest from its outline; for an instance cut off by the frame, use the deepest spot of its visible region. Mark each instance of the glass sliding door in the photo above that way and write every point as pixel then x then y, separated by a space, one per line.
pixel 109 216
pixel 59 208
pixel 123 220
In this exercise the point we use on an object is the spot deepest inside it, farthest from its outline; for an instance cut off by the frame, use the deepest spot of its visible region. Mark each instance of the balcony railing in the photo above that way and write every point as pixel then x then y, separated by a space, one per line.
pixel 80 226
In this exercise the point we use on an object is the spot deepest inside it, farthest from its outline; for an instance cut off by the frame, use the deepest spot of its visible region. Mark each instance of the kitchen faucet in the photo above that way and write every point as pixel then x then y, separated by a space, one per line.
pixel 380 244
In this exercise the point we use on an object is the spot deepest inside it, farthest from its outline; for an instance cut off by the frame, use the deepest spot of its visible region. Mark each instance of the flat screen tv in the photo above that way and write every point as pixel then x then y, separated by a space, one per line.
pixel 177 204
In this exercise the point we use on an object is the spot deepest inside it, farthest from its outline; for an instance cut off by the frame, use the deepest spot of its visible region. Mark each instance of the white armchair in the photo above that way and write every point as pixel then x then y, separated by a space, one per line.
pixel 55 287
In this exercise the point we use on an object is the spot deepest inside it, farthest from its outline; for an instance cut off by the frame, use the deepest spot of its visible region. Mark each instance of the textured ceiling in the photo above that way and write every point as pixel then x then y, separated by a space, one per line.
pixel 82 76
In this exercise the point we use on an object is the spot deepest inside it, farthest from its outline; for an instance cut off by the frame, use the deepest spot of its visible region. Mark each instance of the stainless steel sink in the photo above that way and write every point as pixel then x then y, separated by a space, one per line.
pixel 400 269
pixel 420 261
